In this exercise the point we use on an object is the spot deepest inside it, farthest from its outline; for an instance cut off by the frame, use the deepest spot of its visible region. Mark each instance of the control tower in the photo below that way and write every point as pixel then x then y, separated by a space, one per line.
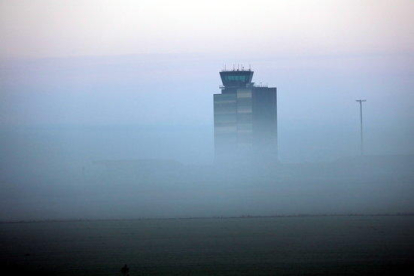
pixel 245 118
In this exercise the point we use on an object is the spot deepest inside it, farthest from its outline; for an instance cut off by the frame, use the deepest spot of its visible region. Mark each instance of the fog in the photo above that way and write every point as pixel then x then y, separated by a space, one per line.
pixel 132 136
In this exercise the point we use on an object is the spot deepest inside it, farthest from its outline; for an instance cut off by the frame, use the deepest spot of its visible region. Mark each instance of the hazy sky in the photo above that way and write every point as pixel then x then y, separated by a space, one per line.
pixel 83 80
pixel 157 62
pixel 49 28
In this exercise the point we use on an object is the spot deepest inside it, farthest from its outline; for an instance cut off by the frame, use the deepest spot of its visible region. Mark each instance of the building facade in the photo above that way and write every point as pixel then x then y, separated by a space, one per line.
pixel 245 118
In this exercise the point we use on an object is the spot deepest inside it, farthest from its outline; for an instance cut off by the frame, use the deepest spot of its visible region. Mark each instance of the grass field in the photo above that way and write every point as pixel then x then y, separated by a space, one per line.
pixel 316 245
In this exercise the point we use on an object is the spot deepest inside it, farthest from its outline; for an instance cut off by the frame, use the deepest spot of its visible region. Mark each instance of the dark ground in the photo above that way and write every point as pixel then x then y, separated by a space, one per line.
pixel 314 245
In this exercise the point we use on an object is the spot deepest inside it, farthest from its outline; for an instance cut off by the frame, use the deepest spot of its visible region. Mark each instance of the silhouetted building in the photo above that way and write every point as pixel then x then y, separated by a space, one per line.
pixel 245 118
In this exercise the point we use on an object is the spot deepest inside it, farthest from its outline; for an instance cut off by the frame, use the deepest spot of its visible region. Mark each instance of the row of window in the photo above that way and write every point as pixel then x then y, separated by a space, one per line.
pixel 236 78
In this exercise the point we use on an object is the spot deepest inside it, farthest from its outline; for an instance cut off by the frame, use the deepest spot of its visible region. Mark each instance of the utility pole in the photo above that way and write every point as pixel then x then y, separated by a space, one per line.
pixel 362 132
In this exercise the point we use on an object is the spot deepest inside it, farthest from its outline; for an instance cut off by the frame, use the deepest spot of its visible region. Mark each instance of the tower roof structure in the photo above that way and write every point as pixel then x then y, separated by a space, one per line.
pixel 236 78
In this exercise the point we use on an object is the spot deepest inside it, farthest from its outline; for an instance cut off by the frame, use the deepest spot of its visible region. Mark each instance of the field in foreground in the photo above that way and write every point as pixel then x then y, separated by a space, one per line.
pixel 325 245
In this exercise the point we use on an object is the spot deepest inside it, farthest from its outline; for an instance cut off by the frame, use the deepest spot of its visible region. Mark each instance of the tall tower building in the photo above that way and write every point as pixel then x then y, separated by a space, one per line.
pixel 245 118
